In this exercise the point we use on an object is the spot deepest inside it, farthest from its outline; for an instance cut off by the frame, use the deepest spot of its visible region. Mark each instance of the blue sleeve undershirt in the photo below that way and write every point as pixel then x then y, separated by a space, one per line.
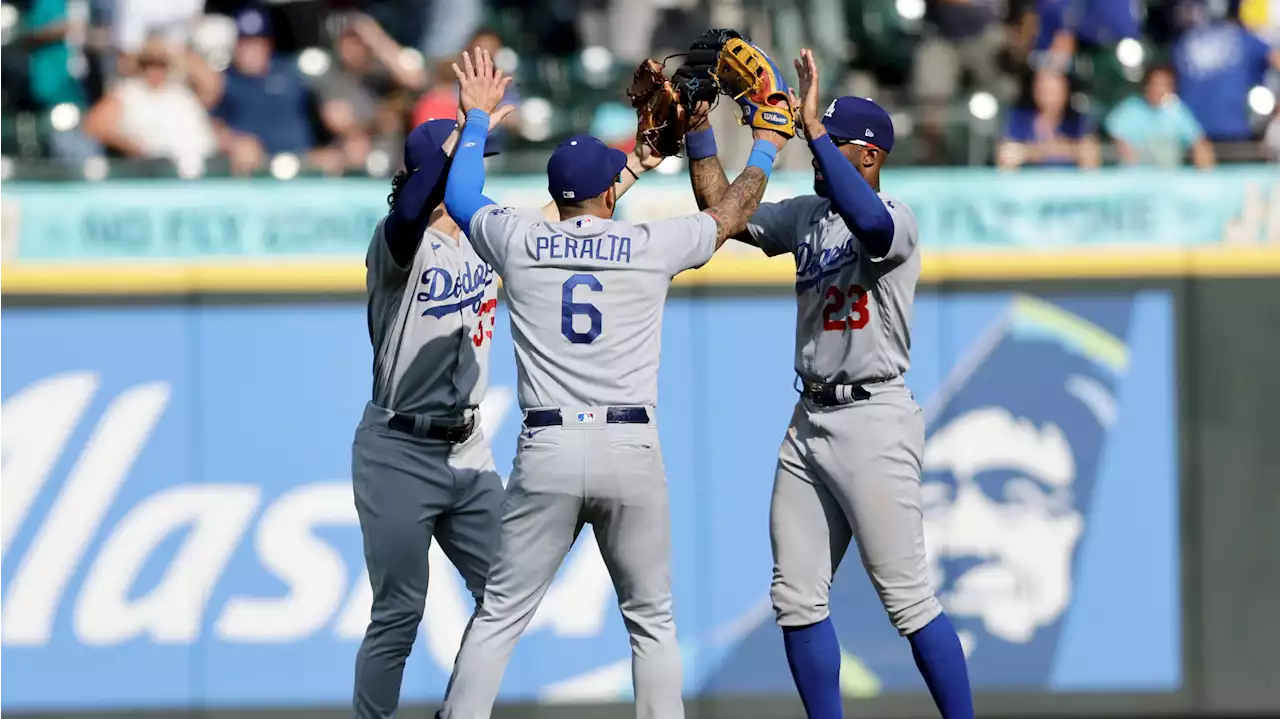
pixel 411 212
pixel 464 190
pixel 854 199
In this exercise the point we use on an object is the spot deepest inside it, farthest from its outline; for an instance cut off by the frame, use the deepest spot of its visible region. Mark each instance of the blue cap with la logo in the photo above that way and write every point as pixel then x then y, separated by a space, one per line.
pixel 859 120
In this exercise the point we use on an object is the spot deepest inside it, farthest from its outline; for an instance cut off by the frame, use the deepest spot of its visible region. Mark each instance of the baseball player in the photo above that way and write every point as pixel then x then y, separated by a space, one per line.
pixel 586 295
pixel 420 467
pixel 850 462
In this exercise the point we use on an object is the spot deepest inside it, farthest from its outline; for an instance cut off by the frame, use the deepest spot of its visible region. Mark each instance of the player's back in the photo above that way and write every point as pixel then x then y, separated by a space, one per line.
pixel 586 299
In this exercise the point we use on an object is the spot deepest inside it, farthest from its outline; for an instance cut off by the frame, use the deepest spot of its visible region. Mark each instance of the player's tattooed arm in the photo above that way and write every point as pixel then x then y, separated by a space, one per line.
pixel 738 204
pixel 709 181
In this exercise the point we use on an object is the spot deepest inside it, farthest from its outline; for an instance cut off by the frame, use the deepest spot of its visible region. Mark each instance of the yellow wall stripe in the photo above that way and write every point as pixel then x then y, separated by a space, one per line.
pixel 140 278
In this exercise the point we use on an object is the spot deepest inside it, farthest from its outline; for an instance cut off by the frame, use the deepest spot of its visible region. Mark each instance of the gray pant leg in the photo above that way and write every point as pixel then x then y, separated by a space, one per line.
pixel 628 507
pixel 401 485
pixel 540 520
pixel 468 532
pixel 869 454
pixel 808 532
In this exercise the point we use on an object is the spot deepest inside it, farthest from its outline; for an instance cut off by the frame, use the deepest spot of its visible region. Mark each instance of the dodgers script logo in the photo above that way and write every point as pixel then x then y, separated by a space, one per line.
pixel 452 295
pixel 812 267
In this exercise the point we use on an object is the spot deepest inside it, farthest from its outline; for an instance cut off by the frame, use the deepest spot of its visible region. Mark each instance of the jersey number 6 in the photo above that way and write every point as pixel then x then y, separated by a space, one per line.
pixel 855 319
pixel 570 309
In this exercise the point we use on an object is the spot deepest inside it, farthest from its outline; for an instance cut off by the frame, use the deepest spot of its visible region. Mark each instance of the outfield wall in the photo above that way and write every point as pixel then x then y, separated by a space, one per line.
pixel 178 531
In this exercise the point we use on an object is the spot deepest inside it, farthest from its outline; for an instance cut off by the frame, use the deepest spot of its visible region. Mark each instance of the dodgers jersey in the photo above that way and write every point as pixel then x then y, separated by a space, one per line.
pixel 853 313
pixel 431 324
pixel 586 297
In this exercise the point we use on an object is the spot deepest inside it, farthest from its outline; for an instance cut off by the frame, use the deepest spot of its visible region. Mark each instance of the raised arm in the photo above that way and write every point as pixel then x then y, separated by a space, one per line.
pixel 739 202
pixel 852 197
pixel 705 172
pixel 710 184
pixel 464 190
pixel 481 87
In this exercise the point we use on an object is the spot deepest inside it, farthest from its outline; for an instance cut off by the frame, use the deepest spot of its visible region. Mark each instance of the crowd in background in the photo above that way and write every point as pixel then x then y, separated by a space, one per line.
pixel 332 86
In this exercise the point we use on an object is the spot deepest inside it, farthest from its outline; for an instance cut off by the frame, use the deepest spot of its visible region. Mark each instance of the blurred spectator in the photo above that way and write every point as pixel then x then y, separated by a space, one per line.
pixel 49 67
pixel 1218 62
pixel 1053 22
pixel 1100 28
pixel 156 114
pixel 1050 134
pixel 1157 129
pixel 133 21
pixel 441 100
pixel 1262 17
pixel 263 108
pixel 964 37
pixel 449 24
pixel 356 94
pixel 53 35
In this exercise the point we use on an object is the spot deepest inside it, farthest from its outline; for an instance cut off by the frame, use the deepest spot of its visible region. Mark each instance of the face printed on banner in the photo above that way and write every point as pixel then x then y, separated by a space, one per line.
pixel 1000 522
pixel 1010 461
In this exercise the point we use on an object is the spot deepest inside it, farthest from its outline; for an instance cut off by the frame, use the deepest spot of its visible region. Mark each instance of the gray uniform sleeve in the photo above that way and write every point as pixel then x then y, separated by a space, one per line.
pixel 906 234
pixel 493 229
pixel 773 227
pixel 381 264
pixel 683 242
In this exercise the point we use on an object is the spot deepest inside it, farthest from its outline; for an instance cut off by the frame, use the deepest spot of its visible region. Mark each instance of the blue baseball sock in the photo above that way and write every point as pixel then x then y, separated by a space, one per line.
pixel 813 653
pixel 940 659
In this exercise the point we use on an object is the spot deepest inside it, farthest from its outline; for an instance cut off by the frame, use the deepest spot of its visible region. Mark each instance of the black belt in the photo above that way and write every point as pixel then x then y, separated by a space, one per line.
pixel 833 395
pixel 612 415
pixel 451 433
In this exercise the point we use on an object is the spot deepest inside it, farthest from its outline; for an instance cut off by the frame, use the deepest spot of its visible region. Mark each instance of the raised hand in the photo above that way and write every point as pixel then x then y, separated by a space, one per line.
pixel 481 86
pixel 806 103
pixel 644 154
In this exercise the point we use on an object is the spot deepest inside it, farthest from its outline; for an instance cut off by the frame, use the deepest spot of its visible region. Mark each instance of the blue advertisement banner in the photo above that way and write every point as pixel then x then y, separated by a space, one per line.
pixel 958 209
pixel 178 527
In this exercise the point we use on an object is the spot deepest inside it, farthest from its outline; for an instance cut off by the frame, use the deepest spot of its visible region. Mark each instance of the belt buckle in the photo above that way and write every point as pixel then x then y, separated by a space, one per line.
pixel 460 433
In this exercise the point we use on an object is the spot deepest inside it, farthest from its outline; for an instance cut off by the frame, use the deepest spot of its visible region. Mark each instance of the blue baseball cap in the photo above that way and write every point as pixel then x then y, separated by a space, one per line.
pixel 426 162
pixel 859 120
pixel 426 139
pixel 583 167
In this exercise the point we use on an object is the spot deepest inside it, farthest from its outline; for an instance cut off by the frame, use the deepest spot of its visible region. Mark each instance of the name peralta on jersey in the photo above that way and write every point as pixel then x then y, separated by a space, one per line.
pixel 431 325
pixel 586 297
pixel 853 312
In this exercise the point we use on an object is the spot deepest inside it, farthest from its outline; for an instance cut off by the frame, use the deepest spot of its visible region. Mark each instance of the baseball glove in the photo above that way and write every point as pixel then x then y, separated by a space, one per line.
pixel 749 76
pixel 662 116
pixel 667 108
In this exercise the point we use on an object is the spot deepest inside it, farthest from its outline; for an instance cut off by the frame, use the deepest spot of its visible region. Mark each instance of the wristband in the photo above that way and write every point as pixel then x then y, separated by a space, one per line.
pixel 762 155
pixel 633 172
pixel 701 144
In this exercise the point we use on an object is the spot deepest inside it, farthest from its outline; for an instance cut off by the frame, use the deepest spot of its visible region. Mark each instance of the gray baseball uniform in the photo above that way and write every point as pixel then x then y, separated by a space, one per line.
pixel 586 297
pixel 431 326
pixel 849 466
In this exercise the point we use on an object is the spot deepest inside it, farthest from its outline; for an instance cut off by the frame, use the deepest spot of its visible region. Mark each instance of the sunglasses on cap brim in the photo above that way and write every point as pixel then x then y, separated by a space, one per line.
pixel 864 143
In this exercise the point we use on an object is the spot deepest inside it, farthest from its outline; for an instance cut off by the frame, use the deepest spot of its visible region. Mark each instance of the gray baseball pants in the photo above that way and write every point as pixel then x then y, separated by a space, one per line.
pixel 409 489
pixel 846 472
pixel 612 477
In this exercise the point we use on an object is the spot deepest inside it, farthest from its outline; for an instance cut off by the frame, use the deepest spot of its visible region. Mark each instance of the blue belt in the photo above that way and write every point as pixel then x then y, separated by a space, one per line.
pixel 613 415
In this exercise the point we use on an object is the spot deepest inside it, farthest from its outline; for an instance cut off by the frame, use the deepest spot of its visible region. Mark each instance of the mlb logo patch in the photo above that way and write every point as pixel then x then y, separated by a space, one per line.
pixel 586 417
